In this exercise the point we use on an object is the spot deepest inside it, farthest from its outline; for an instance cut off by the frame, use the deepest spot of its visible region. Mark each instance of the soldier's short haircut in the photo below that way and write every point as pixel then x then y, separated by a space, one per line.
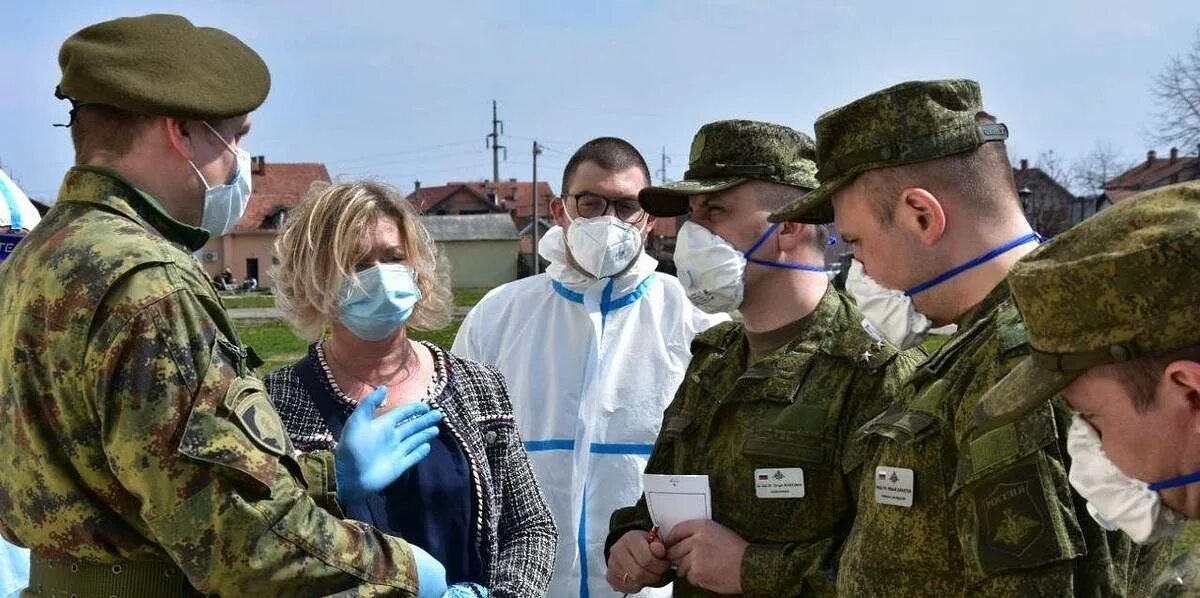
pixel 1141 376
pixel 981 179
pixel 610 153
pixel 102 129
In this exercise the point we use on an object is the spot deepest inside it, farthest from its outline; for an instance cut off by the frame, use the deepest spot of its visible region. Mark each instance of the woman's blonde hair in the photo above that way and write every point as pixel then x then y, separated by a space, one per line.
pixel 323 239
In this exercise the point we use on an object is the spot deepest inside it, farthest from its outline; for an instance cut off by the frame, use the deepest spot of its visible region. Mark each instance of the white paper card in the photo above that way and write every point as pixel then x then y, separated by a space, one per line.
pixel 673 499
pixel 894 486
pixel 784 482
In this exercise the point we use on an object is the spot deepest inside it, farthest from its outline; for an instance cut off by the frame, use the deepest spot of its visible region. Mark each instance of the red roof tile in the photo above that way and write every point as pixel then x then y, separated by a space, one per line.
pixel 278 185
pixel 1151 173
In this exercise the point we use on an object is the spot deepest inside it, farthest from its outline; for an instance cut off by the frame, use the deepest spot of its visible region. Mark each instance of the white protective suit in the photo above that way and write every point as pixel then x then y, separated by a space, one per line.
pixel 591 365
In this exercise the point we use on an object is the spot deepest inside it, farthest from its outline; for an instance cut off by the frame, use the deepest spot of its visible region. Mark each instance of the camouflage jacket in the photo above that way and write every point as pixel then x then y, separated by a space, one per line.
pixel 132 429
pixel 795 408
pixel 989 516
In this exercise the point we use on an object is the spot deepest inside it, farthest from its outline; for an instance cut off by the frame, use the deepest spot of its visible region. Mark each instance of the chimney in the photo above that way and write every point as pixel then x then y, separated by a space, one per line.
pixel 1024 164
pixel 258 165
pixel 1151 155
pixel 1174 155
pixel 417 186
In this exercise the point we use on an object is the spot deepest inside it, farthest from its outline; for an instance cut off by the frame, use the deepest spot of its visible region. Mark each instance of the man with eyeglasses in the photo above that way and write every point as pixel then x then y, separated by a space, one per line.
pixel 593 350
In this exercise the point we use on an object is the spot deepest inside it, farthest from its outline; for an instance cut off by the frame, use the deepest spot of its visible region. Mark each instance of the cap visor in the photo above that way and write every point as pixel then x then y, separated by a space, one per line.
pixel 671 199
pixel 816 207
pixel 1018 393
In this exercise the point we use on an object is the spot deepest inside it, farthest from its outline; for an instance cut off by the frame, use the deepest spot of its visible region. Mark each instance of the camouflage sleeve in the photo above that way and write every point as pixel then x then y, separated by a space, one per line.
pixel 320 477
pixel 193 436
pixel 1014 508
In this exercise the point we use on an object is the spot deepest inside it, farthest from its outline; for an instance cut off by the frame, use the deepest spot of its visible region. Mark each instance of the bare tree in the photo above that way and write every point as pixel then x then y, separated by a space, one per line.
pixel 1177 92
pixel 1099 166
pixel 1052 164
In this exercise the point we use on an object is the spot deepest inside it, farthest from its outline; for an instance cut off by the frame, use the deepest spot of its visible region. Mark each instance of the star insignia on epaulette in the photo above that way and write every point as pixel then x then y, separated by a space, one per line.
pixel 866 355
pixel 878 346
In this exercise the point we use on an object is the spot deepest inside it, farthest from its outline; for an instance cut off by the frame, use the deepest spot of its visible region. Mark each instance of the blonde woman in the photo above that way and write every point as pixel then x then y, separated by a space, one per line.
pixel 355 260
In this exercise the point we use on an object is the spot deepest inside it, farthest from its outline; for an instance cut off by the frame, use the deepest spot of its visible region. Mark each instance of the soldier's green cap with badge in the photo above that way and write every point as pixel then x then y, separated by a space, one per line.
pixel 911 122
pixel 162 65
pixel 1121 285
pixel 728 153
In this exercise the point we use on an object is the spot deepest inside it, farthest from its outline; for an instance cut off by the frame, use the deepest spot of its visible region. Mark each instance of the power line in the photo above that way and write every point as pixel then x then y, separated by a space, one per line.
pixel 492 141
pixel 404 151
pixel 414 159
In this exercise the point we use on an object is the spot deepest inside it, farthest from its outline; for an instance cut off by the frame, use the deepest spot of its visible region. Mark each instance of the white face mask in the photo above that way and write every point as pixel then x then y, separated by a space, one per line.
pixel 710 269
pixel 225 204
pixel 889 313
pixel 1116 501
pixel 603 246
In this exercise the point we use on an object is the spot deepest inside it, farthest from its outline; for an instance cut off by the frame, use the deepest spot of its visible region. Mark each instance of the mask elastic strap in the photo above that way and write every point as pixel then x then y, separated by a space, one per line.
pixel 763 239
pixel 979 261
pixel 1176 482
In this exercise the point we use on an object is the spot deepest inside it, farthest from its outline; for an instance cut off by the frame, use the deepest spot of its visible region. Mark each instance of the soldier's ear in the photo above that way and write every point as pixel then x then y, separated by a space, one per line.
pixel 921 214
pixel 1180 382
pixel 179 137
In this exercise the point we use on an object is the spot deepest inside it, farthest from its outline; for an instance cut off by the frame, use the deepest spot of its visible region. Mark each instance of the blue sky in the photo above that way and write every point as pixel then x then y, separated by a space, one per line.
pixel 401 91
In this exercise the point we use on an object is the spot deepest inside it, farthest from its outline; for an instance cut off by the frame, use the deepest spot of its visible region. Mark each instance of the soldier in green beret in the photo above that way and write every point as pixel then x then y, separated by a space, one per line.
pixel 141 457
pixel 769 404
pixel 917 179
pixel 1112 309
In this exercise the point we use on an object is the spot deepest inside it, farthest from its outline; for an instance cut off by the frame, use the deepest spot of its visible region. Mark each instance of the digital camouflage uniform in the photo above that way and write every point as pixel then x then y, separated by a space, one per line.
pixel 1119 286
pixel 794 408
pixel 140 455
pixel 991 515
pixel 797 407
pixel 133 429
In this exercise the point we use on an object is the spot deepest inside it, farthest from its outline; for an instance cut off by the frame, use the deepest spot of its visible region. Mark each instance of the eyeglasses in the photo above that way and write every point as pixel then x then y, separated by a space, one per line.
pixel 590 205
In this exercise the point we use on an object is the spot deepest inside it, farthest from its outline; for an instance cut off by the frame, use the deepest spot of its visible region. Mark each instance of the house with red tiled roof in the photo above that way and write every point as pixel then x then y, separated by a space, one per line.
pixel 1154 172
pixel 249 250
pixel 1047 203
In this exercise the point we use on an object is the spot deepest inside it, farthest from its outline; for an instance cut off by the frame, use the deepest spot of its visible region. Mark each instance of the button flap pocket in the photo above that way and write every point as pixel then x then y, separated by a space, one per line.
pixel 1006 445
pixel 785 447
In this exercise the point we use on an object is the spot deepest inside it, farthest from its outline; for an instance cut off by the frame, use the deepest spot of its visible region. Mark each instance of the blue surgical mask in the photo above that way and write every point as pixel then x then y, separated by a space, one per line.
pixel 380 303
pixel 224 204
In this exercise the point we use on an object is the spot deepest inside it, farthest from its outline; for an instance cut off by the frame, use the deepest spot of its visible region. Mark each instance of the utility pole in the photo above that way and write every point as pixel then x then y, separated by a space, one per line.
pixel 493 141
pixel 537 150
pixel 662 172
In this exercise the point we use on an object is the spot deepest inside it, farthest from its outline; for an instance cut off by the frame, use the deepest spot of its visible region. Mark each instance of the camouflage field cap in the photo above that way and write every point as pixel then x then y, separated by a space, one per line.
pixel 730 152
pixel 162 65
pixel 1123 284
pixel 906 123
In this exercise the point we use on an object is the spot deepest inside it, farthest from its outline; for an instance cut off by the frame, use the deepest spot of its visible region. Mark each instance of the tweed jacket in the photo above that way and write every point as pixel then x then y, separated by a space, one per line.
pixel 516 532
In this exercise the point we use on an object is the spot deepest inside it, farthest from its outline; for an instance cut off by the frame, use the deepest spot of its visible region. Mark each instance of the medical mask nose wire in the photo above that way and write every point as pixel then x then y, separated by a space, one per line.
pixel 763 239
pixel 979 261
pixel 1176 482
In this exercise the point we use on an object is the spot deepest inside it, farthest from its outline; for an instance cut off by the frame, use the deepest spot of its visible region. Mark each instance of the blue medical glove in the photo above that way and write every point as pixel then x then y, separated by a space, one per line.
pixel 466 590
pixel 374 451
pixel 431 574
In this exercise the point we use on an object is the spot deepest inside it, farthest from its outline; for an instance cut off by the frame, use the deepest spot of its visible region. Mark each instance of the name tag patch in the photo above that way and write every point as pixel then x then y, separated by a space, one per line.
pixel 786 482
pixel 894 486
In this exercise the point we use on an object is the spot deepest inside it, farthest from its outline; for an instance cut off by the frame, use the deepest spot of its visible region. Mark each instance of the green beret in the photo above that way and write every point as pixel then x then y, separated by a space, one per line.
pixel 906 123
pixel 1121 285
pixel 165 66
pixel 730 152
